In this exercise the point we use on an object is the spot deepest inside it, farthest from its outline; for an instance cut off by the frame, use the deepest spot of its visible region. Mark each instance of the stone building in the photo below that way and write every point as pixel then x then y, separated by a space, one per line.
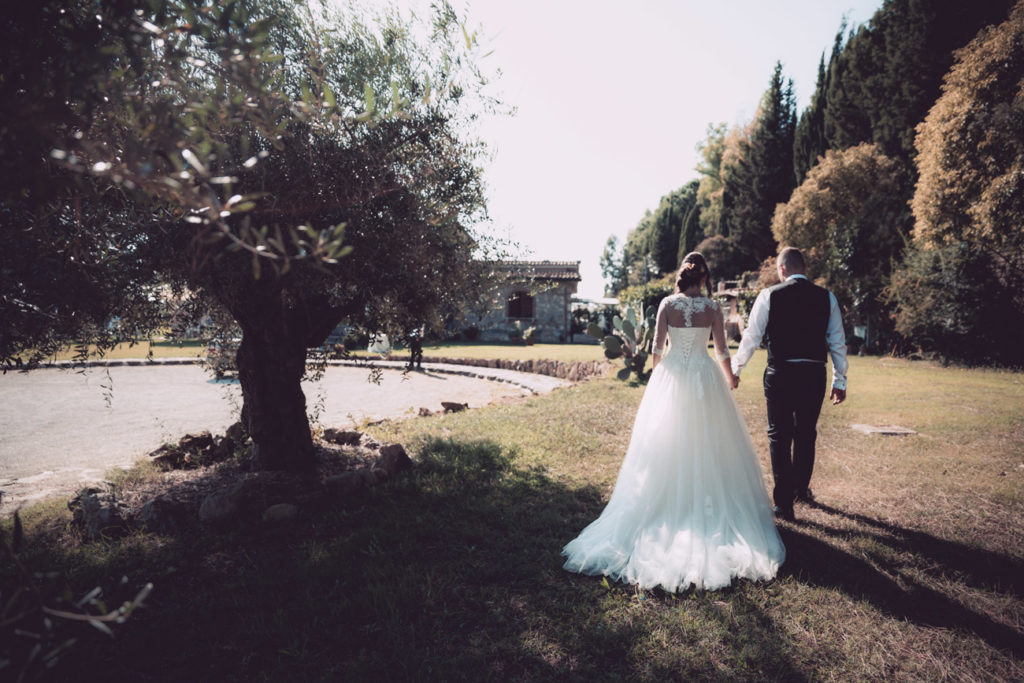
pixel 533 293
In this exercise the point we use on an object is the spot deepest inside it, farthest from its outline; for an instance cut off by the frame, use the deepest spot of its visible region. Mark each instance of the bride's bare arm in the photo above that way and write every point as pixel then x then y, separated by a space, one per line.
pixel 722 348
pixel 660 333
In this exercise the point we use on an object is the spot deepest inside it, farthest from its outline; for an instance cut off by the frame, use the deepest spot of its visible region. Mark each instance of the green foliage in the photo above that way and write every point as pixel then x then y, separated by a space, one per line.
pixel 297 165
pixel 652 248
pixel 691 234
pixel 809 139
pixel 668 223
pixel 612 268
pixel 580 320
pixel 631 340
pixel 888 73
pixel 967 267
pixel 726 259
pixel 709 191
pixel 947 302
pixel 648 295
pixel 759 174
pixel 849 219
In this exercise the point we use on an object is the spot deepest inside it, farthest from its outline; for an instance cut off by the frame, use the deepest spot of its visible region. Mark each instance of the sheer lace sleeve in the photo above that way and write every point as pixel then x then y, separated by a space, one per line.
pixel 661 328
pixel 718 332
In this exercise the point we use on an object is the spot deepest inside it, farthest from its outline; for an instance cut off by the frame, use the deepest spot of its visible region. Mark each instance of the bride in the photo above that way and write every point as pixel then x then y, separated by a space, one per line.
pixel 689 506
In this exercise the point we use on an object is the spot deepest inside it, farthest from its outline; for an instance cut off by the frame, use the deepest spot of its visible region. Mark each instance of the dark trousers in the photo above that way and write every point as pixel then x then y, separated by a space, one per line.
pixel 794 393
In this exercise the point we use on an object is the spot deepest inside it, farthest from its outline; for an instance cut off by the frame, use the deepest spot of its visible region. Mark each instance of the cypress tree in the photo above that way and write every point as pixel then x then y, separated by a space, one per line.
pixel 763 176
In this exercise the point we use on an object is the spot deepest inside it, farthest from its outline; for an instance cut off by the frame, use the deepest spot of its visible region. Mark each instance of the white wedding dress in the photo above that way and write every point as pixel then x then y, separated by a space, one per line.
pixel 689 506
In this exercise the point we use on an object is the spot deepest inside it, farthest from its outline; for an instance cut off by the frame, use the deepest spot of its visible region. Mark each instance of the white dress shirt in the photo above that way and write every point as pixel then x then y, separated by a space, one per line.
pixel 834 335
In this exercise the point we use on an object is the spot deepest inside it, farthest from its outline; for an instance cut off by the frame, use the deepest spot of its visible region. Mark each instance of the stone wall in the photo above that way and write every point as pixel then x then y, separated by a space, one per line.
pixel 575 371
pixel 550 314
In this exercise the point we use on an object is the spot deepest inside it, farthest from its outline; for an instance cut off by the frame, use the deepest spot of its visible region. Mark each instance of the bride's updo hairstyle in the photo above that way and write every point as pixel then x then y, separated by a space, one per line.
pixel 692 272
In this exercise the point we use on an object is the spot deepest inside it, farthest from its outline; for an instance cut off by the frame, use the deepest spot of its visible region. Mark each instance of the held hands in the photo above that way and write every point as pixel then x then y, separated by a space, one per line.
pixel 734 381
pixel 838 396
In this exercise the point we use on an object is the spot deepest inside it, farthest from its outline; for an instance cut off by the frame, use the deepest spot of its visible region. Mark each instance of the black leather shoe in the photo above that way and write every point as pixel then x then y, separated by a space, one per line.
pixel 805 496
pixel 784 513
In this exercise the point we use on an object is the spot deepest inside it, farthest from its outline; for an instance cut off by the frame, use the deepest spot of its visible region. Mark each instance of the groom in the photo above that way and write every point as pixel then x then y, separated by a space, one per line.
pixel 801 324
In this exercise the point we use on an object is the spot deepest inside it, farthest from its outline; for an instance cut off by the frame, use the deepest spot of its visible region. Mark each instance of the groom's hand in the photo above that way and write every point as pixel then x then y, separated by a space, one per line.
pixel 735 381
pixel 838 396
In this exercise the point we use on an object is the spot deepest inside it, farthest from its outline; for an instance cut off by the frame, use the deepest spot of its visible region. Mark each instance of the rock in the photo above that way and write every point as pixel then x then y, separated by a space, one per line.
pixel 345 483
pixel 237 433
pixel 196 442
pixel 220 505
pixel 98 514
pixel 222 449
pixel 393 459
pixel 426 412
pixel 168 457
pixel 885 430
pixel 162 515
pixel 342 437
pixel 280 512
pixel 451 407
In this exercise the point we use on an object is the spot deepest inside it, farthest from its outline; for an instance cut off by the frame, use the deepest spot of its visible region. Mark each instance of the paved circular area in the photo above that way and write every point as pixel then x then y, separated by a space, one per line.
pixel 60 426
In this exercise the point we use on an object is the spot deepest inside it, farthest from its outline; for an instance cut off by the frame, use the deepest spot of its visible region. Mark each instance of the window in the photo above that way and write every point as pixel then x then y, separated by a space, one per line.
pixel 520 305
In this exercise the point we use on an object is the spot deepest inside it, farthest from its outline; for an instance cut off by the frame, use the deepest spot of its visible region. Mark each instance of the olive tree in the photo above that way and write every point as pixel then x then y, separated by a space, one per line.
pixel 299 165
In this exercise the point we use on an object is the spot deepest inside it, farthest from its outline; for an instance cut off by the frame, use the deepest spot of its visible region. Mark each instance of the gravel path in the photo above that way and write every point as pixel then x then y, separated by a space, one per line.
pixel 59 428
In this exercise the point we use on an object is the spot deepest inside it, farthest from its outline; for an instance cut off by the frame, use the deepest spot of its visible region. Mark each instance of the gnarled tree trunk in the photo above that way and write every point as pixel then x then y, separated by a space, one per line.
pixel 270 369
pixel 277 328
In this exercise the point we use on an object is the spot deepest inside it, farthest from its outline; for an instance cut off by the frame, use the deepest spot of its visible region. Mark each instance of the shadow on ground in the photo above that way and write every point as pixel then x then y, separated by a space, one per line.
pixel 892 573
pixel 453 572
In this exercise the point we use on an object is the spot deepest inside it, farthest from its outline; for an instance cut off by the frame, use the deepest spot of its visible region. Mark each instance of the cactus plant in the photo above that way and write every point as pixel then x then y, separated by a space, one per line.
pixel 631 340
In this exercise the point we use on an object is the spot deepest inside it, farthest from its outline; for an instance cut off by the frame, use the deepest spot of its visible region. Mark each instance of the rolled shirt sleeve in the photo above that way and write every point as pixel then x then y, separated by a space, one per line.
pixel 754 333
pixel 836 338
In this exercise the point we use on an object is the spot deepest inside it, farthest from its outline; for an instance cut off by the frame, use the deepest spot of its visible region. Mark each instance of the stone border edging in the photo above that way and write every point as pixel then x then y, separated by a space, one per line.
pixel 533 382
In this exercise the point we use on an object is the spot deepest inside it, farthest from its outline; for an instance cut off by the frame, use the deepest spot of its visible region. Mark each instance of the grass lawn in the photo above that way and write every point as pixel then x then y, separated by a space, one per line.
pixel 143 349
pixel 563 352
pixel 910 567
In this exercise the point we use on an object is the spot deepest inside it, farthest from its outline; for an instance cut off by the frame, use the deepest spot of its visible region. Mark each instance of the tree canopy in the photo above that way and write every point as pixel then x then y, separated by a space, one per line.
pixel 968 256
pixel 298 165
pixel 760 174
pixel 864 124
pixel 848 219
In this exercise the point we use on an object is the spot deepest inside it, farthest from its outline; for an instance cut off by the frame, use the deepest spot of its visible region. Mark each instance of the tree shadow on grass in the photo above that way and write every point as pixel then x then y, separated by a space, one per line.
pixel 972 566
pixel 451 572
pixel 886 583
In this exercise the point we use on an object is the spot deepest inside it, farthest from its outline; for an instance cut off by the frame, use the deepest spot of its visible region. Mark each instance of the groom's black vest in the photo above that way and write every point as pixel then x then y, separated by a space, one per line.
pixel 798 313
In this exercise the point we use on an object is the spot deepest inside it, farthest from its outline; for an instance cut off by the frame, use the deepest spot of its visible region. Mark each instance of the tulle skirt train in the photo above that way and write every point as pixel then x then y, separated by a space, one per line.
pixel 689 507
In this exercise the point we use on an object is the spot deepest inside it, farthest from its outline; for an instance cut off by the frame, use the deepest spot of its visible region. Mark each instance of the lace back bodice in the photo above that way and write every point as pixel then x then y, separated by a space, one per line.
pixel 686 322
pixel 685 341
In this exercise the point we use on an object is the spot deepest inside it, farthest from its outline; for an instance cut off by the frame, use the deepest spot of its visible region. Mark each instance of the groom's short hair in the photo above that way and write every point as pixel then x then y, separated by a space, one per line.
pixel 793 260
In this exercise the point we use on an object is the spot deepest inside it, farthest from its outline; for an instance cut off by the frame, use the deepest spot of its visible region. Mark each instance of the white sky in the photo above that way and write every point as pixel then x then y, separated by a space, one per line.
pixel 613 97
